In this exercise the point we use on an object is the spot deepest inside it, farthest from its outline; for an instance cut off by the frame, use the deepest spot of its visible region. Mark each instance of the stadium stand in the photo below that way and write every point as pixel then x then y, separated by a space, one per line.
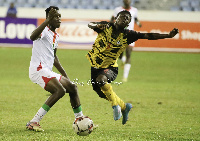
pixel 173 5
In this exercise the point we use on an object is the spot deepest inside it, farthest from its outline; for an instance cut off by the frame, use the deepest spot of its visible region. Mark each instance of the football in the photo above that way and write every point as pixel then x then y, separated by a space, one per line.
pixel 83 126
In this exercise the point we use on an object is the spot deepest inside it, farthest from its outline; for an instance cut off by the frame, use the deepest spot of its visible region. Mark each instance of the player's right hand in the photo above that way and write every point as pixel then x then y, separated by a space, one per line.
pixel 52 13
pixel 173 32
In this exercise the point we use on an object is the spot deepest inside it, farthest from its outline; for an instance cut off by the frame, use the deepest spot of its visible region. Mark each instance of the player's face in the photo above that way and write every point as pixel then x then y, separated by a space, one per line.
pixel 127 2
pixel 56 21
pixel 123 20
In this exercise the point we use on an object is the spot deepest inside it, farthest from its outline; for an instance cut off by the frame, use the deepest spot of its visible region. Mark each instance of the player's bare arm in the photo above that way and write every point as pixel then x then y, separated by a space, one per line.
pixel 155 36
pixel 58 65
pixel 37 32
pixel 94 25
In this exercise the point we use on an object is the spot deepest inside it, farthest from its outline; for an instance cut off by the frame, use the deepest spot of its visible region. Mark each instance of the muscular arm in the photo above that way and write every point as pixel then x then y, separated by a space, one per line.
pixel 37 32
pixel 98 25
pixel 155 36
pixel 58 65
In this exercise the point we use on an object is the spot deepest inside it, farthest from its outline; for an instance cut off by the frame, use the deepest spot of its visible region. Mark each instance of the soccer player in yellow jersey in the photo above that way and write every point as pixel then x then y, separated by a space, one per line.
pixel 111 41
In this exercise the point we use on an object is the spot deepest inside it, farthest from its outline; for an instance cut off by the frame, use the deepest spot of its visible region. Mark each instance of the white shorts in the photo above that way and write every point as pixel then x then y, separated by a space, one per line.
pixel 132 44
pixel 43 76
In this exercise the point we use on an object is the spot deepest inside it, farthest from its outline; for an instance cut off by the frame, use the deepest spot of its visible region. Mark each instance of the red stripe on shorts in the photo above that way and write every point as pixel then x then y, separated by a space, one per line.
pixel 46 80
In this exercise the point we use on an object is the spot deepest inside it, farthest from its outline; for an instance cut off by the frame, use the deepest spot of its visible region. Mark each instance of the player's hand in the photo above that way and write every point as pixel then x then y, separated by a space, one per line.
pixel 102 26
pixel 52 13
pixel 173 32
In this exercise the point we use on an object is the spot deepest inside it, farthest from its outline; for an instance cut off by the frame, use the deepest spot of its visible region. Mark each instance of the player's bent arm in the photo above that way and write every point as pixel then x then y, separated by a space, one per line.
pixel 93 25
pixel 37 32
pixel 99 25
pixel 58 66
pixel 155 36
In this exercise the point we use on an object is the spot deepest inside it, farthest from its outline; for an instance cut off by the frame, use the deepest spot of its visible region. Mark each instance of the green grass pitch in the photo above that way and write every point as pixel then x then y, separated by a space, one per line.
pixel 164 89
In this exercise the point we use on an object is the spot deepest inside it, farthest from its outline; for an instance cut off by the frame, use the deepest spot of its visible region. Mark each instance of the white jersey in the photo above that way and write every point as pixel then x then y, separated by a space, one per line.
pixel 43 50
pixel 132 10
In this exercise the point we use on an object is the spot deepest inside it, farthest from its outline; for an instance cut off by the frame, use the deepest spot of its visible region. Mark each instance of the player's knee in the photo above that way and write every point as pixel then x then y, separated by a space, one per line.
pixel 100 93
pixel 61 92
pixel 73 88
pixel 101 80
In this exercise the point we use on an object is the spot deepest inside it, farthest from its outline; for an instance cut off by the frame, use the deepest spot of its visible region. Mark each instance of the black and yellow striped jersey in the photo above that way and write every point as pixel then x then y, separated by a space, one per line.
pixel 107 48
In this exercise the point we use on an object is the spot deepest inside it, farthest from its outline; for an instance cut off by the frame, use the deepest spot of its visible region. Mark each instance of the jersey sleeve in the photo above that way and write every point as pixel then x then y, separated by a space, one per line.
pixel 133 36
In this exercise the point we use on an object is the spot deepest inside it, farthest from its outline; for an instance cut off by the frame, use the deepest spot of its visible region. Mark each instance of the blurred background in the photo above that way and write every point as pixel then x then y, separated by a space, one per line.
pixel 159 16
pixel 169 5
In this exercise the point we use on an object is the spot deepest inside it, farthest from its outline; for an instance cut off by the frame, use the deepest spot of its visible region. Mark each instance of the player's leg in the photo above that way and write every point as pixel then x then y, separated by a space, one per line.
pixel 74 96
pixel 111 95
pixel 58 91
pixel 127 65
pixel 105 76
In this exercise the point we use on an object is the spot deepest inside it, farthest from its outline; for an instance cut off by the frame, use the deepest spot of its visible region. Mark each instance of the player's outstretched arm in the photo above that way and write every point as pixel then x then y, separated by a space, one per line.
pixel 155 36
pixel 37 32
pixel 99 25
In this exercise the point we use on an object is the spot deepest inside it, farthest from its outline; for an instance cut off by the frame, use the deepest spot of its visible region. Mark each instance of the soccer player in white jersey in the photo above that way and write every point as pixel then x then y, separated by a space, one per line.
pixel 45 43
pixel 134 14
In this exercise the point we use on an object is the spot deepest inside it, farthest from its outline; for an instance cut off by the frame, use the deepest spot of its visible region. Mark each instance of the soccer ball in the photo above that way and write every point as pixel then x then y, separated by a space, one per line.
pixel 83 126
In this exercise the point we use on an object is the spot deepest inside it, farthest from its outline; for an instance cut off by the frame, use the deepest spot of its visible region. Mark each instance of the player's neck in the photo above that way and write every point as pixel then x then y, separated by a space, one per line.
pixel 118 28
pixel 127 7
pixel 52 28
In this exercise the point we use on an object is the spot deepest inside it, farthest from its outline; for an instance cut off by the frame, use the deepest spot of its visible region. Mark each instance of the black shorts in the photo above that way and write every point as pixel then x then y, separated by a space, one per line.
pixel 111 73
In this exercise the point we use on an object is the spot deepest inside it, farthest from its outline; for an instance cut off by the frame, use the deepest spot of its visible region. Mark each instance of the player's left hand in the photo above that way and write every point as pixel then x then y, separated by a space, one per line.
pixel 173 32
pixel 102 26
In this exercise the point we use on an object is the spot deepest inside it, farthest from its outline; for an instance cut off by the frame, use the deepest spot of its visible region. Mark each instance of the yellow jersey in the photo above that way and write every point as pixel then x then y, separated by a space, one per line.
pixel 107 49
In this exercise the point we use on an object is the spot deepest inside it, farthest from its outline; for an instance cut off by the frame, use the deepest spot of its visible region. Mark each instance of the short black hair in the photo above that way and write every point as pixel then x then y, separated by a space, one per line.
pixel 48 9
pixel 124 12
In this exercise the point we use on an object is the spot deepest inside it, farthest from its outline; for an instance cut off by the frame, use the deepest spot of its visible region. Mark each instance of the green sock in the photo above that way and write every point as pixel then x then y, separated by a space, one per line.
pixel 46 107
pixel 77 110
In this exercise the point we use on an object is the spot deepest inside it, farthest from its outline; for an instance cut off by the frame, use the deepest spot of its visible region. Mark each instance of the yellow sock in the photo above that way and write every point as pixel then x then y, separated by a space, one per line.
pixel 120 102
pixel 112 97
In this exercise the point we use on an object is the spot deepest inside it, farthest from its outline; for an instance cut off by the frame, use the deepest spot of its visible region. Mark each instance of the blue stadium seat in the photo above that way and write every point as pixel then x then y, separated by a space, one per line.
pixel 85 2
pixel 102 7
pixel 6 3
pixel 196 8
pixel 1 2
pixel 64 2
pixel 20 3
pixel 186 8
pixel 117 3
pixel 54 2
pixel 95 2
pixel 185 3
pixel 195 3
pixel 175 8
pixel 43 3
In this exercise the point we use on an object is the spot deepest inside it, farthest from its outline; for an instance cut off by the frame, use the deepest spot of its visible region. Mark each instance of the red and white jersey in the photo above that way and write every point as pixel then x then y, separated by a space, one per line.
pixel 43 50
pixel 132 10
